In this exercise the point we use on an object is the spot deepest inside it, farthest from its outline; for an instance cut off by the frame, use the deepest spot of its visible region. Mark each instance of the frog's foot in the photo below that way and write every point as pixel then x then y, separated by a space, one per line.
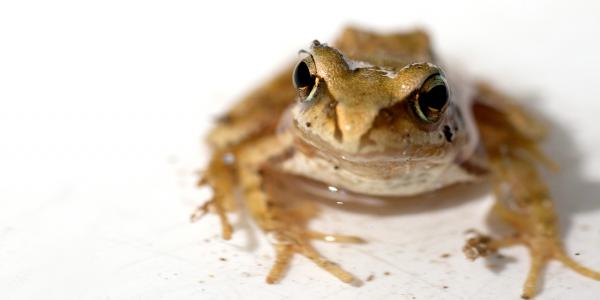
pixel 542 249
pixel 220 177
pixel 214 204
pixel 282 218
pixel 290 242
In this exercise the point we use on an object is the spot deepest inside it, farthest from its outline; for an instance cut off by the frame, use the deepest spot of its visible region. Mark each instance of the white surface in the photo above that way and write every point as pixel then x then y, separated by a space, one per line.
pixel 103 106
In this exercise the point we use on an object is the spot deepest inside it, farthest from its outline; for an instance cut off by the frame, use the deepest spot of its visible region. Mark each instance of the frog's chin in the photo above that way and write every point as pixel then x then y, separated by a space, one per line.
pixel 313 145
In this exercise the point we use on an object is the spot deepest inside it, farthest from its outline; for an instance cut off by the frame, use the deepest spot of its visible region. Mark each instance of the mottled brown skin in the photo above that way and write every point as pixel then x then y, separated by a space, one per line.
pixel 359 122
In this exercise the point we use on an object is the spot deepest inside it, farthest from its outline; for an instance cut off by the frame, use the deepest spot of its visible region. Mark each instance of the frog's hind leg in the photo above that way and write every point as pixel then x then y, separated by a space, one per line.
pixel 220 176
pixel 511 140
pixel 284 223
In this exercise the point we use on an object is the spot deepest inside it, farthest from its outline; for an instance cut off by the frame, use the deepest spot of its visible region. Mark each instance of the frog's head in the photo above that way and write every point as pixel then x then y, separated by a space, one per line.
pixel 352 110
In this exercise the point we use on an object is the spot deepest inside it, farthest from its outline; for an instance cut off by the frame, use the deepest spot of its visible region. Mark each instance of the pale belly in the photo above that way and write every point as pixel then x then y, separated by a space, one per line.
pixel 410 182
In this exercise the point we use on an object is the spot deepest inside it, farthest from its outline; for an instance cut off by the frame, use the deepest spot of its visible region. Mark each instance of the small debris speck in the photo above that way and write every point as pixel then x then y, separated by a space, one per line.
pixel 445 287
pixel 387 273
pixel 577 253
pixel 445 255
pixel 371 277
pixel 492 266
pixel 222 259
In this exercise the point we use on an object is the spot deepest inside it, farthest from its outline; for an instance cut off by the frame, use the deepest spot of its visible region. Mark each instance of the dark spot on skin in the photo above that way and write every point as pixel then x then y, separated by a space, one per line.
pixel 330 109
pixel 308 124
pixel 224 119
pixel 336 167
pixel 386 116
pixel 445 286
pixel 386 273
pixel 448 133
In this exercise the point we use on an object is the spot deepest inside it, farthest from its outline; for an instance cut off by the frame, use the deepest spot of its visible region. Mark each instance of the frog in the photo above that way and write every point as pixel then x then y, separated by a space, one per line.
pixel 375 114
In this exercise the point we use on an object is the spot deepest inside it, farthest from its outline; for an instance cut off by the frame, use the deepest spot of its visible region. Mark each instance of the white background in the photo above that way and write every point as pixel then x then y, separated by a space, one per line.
pixel 103 106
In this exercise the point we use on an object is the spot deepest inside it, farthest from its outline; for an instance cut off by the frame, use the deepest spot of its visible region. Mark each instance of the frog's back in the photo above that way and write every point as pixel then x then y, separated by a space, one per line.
pixel 256 114
pixel 394 50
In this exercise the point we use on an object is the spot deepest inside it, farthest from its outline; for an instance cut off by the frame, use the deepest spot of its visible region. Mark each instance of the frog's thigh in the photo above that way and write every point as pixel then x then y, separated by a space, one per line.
pixel 285 226
pixel 522 198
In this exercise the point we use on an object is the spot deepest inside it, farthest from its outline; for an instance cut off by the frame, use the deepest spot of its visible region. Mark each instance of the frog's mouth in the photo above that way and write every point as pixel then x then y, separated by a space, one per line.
pixel 383 164
pixel 367 150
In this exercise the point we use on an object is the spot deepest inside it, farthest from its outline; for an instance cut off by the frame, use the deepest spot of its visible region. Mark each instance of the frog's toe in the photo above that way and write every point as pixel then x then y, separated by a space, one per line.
pixel 542 250
pixel 214 203
pixel 569 262
pixel 288 243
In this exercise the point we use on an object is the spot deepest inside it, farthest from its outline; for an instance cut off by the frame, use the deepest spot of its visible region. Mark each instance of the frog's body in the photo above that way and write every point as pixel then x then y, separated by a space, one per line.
pixel 374 115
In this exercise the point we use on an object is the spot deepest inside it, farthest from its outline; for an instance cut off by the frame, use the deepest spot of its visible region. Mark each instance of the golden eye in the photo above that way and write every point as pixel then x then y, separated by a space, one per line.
pixel 305 79
pixel 432 99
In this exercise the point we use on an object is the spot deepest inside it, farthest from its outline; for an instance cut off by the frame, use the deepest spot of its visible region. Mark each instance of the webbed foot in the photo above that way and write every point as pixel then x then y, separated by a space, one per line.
pixel 542 249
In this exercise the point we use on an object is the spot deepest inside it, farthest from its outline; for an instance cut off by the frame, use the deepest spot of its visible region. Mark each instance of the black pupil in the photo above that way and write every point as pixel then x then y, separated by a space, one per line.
pixel 435 98
pixel 302 77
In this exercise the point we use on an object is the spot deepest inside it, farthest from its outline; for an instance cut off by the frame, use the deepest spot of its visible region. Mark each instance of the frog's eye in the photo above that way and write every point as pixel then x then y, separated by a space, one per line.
pixel 432 99
pixel 305 79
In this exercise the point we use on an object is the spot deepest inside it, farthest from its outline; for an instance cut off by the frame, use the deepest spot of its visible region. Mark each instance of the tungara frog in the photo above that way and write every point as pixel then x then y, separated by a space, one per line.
pixel 376 115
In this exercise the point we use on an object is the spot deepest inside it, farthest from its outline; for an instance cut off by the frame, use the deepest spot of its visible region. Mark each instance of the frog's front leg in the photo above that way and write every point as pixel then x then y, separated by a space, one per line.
pixel 522 198
pixel 285 225
pixel 220 176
